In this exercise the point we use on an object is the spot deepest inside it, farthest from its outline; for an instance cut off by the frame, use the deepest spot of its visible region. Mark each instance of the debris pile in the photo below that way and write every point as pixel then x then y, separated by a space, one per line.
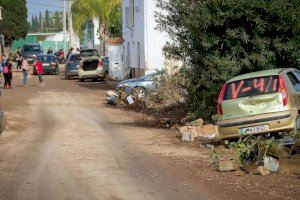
pixel 166 104
pixel 260 155
pixel 197 130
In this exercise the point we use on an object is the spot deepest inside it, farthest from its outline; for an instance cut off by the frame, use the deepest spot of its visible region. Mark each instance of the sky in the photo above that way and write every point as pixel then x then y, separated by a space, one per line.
pixel 36 6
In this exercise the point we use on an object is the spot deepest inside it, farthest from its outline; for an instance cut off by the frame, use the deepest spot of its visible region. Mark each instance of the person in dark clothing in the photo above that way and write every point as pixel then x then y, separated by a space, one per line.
pixel 69 53
pixel 50 51
pixel 19 59
pixel 7 72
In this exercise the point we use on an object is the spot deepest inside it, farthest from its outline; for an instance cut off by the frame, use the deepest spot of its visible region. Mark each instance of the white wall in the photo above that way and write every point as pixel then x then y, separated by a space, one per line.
pixel 155 40
pixel 144 35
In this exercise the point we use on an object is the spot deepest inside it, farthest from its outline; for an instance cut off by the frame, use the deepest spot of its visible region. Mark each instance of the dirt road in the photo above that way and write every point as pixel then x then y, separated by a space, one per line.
pixel 62 142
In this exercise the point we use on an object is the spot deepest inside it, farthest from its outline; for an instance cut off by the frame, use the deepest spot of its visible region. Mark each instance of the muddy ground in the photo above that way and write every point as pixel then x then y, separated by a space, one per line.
pixel 62 141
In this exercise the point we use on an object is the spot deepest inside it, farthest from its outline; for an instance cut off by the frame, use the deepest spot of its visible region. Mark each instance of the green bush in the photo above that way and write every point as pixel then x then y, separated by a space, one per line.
pixel 220 39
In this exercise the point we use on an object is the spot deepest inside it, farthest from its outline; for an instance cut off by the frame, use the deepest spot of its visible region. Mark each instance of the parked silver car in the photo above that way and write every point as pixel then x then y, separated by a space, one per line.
pixel 140 86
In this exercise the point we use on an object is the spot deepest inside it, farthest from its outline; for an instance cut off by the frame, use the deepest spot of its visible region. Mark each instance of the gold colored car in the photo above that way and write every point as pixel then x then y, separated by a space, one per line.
pixel 261 102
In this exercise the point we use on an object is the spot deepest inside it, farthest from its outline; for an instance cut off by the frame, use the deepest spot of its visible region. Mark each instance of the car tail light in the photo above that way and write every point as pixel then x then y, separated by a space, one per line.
pixel 53 64
pixel 220 99
pixel 283 90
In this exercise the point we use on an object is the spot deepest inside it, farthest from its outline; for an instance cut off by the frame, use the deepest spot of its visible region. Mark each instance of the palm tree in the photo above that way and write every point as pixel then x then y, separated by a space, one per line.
pixel 108 12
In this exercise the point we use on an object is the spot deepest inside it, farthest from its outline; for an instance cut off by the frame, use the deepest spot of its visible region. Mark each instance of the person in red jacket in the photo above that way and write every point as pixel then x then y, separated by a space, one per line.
pixel 40 71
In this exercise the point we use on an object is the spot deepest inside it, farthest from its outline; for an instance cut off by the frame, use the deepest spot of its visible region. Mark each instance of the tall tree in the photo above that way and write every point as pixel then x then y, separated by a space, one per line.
pixel 41 22
pixel 107 12
pixel 220 39
pixel 47 20
pixel 58 22
pixel 36 24
pixel 14 24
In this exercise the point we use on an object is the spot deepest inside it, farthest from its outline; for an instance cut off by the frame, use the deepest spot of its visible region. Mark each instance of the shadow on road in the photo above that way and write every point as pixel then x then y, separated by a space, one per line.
pixel 97 85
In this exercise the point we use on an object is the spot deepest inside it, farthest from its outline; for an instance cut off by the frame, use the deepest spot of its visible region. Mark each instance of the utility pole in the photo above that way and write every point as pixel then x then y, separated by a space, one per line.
pixel 70 25
pixel 65 26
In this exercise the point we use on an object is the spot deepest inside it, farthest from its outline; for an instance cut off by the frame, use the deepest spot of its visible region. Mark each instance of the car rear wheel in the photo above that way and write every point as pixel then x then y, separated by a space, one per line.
pixel 81 80
pixel 67 77
pixel 139 92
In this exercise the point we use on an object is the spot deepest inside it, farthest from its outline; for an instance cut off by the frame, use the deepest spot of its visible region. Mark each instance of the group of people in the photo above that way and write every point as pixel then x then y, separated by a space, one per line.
pixel 6 68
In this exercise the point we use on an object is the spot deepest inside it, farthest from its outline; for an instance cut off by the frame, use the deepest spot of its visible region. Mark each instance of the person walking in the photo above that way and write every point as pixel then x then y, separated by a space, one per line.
pixel 7 72
pixel 19 58
pixel 69 53
pixel 40 71
pixel 25 70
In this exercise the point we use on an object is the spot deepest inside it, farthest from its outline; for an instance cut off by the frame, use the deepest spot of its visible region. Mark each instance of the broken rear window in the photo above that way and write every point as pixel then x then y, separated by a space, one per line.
pixel 251 87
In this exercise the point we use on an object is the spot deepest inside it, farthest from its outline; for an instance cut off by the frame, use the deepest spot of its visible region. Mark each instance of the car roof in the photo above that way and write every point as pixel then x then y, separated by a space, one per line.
pixel 270 72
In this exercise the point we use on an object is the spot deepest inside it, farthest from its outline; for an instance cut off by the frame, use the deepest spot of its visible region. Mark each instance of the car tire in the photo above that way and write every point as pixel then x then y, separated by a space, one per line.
pixel 67 77
pixel 81 80
pixel 139 92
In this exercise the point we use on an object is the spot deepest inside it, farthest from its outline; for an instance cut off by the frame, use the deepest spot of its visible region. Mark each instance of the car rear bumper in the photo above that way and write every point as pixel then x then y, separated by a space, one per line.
pixel 91 76
pixel 277 122
pixel 50 69
pixel 72 73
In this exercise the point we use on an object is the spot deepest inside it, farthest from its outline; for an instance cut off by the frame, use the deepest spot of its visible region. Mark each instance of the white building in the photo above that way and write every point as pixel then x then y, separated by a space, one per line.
pixel 142 43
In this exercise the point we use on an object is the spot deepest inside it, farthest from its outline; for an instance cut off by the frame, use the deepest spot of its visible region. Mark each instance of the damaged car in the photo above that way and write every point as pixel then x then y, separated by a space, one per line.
pixel 258 103
pixel 140 86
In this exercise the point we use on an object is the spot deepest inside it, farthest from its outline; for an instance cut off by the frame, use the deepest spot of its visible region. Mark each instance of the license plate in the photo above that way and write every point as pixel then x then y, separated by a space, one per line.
pixel 254 129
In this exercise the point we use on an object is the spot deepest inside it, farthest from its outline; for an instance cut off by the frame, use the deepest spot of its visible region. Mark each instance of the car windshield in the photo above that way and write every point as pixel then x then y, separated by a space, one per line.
pixel 147 77
pixel 89 53
pixel 32 48
pixel 46 59
pixel 251 87
pixel 75 58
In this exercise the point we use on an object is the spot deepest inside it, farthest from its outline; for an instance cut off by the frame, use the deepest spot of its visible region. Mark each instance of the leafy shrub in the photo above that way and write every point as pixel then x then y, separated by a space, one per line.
pixel 221 39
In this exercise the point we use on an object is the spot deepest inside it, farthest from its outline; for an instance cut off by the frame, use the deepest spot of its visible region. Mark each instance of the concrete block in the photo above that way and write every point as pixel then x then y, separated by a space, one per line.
pixel 189 133
pixel 228 165
pixel 271 164
pixel 208 131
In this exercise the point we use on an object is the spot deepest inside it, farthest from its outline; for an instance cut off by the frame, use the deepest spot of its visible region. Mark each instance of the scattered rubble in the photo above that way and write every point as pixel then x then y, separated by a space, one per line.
pixel 261 170
pixel 196 130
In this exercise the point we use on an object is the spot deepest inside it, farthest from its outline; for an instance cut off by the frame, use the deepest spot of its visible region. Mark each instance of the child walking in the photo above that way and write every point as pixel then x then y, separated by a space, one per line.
pixel 25 69
pixel 40 71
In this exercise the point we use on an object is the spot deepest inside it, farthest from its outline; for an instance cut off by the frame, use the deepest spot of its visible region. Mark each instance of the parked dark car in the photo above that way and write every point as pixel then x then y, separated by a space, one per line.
pixel 50 64
pixel 31 51
pixel 72 65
